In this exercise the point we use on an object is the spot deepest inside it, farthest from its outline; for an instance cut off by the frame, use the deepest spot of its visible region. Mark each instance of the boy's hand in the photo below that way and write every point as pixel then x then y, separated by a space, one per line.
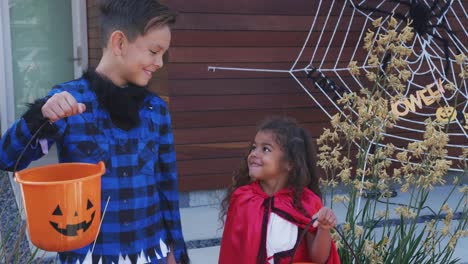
pixel 61 105
pixel 326 219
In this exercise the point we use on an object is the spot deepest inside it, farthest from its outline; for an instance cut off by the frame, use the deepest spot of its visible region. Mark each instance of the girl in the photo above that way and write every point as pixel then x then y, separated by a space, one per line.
pixel 274 195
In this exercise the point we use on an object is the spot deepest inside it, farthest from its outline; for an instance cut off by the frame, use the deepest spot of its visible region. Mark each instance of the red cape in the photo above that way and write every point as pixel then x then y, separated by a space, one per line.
pixel 244 236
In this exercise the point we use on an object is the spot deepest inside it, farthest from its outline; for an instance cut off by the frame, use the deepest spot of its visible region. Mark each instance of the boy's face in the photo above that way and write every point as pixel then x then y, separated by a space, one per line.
pixel 142 57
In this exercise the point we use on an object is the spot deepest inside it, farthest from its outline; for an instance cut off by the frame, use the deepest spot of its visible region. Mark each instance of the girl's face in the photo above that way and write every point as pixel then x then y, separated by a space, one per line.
pixel 265 160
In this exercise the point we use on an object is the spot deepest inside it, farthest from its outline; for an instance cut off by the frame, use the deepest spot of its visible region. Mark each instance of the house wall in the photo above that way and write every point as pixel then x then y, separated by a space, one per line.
pixel 94 50
pixel 215 113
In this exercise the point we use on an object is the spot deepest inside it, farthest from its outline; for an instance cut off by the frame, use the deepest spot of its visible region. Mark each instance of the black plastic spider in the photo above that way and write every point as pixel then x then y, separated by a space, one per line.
pixel 421 14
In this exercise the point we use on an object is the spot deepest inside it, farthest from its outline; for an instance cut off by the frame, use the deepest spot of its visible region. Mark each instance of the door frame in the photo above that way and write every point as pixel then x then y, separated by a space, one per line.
pixel 80 36
pixel 7 115
pixel 80 56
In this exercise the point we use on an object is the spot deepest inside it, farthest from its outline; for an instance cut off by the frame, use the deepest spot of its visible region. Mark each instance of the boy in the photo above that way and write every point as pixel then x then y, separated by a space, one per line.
pixel 109 115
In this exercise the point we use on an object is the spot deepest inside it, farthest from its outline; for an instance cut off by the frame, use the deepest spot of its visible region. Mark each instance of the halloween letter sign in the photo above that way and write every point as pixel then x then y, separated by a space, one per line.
pixel 427 96
pixel 446 114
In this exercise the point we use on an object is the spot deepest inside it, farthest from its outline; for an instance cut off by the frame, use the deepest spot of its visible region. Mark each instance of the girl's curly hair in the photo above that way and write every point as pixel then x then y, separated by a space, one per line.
pixel 298 150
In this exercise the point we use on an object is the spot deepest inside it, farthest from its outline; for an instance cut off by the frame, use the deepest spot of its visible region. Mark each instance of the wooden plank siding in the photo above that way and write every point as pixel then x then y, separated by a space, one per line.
pixel 94 46
pixel 215 113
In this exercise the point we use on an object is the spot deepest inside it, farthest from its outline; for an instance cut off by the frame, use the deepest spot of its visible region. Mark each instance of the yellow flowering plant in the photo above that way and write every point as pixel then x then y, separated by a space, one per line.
pixel 354 154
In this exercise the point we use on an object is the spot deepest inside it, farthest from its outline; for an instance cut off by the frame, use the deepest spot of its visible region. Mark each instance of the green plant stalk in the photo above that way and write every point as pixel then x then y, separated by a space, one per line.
pixel 451 115
pixel 9 234
pixel 463 222
pixel 16 249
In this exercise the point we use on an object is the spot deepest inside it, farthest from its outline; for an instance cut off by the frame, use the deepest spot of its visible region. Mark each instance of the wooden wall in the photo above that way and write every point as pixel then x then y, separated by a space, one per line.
pixel 215 113
pixel 94 46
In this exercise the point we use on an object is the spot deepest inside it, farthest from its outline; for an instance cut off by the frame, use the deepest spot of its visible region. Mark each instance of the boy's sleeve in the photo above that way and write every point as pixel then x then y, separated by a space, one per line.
pixel 168 187
pixel 12 144
pixel 15 139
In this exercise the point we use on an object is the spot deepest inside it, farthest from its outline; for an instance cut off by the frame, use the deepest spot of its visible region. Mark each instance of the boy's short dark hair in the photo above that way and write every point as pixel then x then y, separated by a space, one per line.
pixel 132 17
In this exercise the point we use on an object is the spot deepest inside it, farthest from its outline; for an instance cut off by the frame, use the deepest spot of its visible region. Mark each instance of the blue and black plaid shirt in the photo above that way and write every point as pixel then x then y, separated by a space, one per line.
pixel 141 178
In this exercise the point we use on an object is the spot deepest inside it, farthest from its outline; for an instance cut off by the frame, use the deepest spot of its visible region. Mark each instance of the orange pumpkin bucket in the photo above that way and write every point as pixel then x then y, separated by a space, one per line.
pixel 62 204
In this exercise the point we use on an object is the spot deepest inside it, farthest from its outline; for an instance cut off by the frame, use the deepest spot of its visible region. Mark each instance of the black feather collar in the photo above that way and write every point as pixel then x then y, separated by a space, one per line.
pixel 123 104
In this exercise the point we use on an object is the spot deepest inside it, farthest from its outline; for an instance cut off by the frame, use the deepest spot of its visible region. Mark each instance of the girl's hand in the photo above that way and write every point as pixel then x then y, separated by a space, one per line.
pixel 61 105
pixel 326 219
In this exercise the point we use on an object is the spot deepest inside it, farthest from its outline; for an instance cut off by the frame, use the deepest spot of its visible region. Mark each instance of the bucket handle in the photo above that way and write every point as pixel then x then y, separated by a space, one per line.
pixel 100 223
pixel 301 237
pixel 336 230
pixel 28 144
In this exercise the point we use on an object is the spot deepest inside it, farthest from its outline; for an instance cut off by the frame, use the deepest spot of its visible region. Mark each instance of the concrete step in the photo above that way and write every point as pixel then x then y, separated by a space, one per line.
pixel 207 255
pixel 200 223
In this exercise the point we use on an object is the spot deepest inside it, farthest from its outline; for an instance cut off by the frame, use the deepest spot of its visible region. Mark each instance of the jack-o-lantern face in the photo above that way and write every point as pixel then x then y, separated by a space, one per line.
pixel 445 114
pixel 72 229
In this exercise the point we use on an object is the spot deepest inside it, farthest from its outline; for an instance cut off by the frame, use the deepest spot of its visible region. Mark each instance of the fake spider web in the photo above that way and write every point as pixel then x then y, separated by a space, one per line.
pixel 329 51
